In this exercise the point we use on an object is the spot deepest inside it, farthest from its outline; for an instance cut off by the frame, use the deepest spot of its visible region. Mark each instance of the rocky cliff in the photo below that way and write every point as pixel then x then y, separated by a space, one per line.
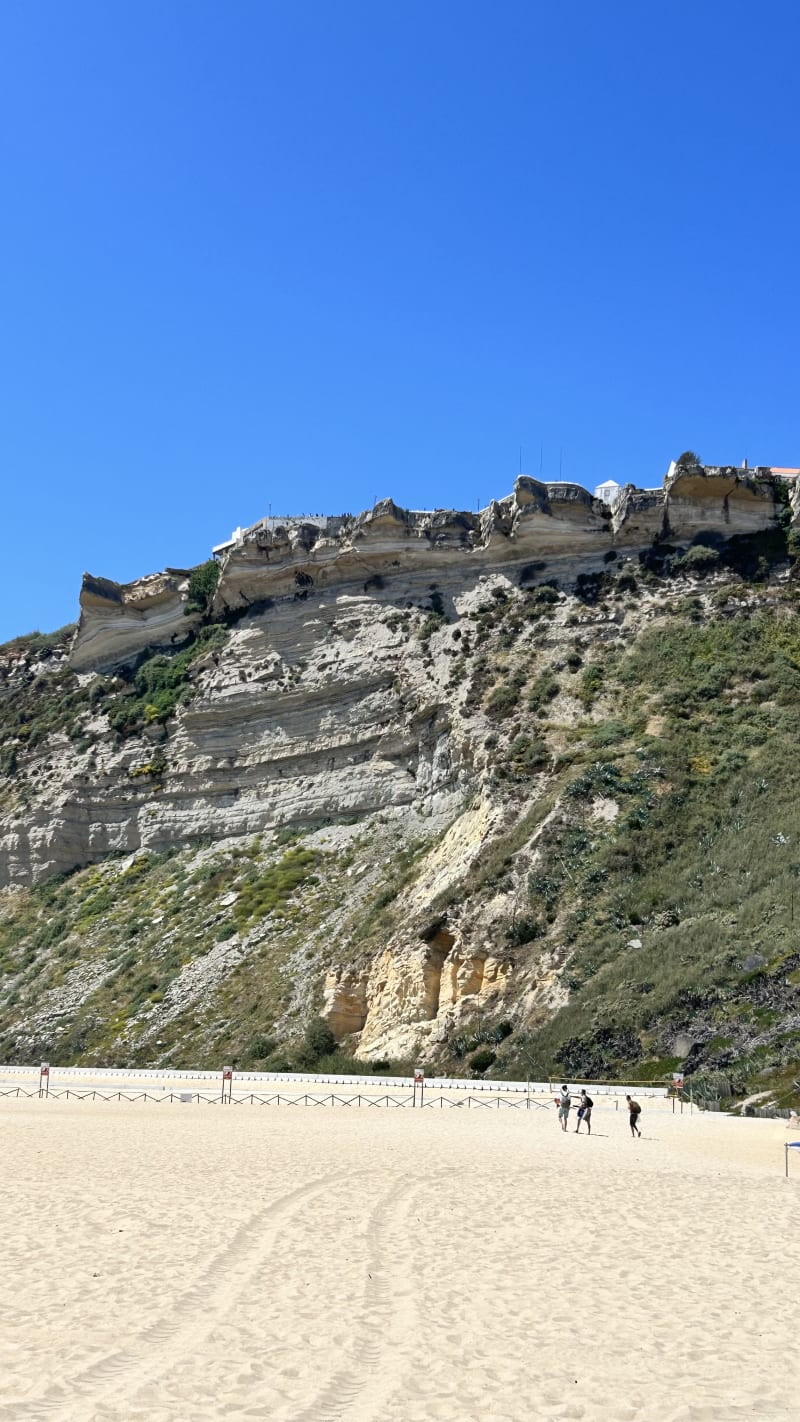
pixel 329 698
pixel 553 529
pixel 419 773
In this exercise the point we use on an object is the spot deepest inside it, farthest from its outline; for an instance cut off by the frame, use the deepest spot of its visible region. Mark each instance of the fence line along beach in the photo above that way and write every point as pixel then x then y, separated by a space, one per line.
pixel 226 1086
pixel 412 1266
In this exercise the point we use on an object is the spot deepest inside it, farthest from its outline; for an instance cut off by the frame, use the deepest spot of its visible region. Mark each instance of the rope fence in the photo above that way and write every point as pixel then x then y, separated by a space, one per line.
pixel 159 1085
pixel 437 1102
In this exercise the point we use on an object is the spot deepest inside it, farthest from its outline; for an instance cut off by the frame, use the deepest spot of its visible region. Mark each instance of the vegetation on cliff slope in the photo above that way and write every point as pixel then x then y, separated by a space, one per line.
pixel 667 879
pixel 144 958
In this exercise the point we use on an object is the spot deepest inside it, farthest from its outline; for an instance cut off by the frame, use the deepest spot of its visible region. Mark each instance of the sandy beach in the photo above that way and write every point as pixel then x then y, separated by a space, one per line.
pixel 188 1263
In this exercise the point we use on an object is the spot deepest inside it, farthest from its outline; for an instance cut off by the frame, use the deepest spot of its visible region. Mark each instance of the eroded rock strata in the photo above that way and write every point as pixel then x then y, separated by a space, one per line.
pixel 443 717
pixel 553 530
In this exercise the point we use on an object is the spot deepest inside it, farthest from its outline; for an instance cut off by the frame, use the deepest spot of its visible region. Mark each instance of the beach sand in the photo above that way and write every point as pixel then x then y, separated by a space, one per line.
pixel 182 1263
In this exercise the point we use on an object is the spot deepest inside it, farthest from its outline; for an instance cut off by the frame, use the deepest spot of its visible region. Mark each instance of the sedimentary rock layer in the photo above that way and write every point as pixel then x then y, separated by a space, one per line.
pixel 557 527
pixel 302 719
pixel 119 620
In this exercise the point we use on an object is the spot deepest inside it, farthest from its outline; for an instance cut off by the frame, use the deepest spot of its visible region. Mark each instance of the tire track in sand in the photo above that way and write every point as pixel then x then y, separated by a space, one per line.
pixel 113 1373
pixel 387 1315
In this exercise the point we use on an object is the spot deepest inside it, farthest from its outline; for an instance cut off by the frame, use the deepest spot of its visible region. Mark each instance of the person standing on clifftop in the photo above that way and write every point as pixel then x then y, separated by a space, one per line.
pixel 564 1103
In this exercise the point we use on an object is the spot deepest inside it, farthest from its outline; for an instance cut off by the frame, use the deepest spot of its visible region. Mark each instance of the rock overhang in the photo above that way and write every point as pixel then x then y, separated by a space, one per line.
pixel 535 523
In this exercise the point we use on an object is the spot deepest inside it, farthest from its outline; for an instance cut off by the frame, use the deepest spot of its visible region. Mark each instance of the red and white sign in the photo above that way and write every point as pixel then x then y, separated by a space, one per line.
pixel 44 1069
pixel 677 1081
pixel 227 1073
pixel 419 1076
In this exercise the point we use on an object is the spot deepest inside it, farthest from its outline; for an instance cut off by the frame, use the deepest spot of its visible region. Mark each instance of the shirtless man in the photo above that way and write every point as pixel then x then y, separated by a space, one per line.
pixel 634 1112
pixel 585 1112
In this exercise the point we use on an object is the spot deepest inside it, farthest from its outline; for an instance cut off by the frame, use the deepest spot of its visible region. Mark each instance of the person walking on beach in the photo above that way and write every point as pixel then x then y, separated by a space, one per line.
pixel 564 1103
pixel 634 1112
pixel 585 1112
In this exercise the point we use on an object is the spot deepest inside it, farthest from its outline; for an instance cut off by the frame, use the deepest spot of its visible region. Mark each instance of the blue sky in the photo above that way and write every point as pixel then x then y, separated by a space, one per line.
pixel 306 254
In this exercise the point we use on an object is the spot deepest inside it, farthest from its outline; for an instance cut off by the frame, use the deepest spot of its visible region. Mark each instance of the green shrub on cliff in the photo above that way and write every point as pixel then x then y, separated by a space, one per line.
pixel 270 889
pixel 202 586
pixel 161 683
pixel 545 688
pixel 502 700
pixel 698 560
pixel 527 755
pixel 319 1039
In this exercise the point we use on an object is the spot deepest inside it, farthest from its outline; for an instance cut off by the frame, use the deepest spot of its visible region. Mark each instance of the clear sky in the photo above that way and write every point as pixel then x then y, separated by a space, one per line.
pixel 304 254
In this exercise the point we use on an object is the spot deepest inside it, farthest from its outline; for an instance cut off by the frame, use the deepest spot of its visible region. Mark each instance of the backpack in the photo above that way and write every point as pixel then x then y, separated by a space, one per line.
pixel 589 1103
pixel 635 1108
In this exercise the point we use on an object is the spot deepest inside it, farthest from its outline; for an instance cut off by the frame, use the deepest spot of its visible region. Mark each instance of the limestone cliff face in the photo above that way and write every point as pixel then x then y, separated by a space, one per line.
pixel 445 968
pixel 557 527
pixel 119 620
pixel 415 996
pixel 321 704
pixel 559 523
pixel 316 709
pixel 725 501
pixel 722 501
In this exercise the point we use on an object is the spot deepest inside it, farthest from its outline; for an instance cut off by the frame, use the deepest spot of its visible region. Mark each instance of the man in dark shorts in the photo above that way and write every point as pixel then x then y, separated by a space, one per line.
pixel 585 1112
pixel 634 1112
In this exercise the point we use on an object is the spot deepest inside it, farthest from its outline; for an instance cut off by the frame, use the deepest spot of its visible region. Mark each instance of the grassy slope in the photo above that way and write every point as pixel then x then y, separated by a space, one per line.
pixel 127 932
pixel 693 737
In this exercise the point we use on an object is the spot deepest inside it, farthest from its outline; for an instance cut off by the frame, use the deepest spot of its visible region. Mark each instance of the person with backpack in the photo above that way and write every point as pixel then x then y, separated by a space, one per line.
pixel 634 1112
pixel 585 1112
pixel 564 1103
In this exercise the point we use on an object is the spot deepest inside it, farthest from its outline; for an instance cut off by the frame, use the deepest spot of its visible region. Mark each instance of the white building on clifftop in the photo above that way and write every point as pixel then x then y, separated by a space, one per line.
pixel 608 491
